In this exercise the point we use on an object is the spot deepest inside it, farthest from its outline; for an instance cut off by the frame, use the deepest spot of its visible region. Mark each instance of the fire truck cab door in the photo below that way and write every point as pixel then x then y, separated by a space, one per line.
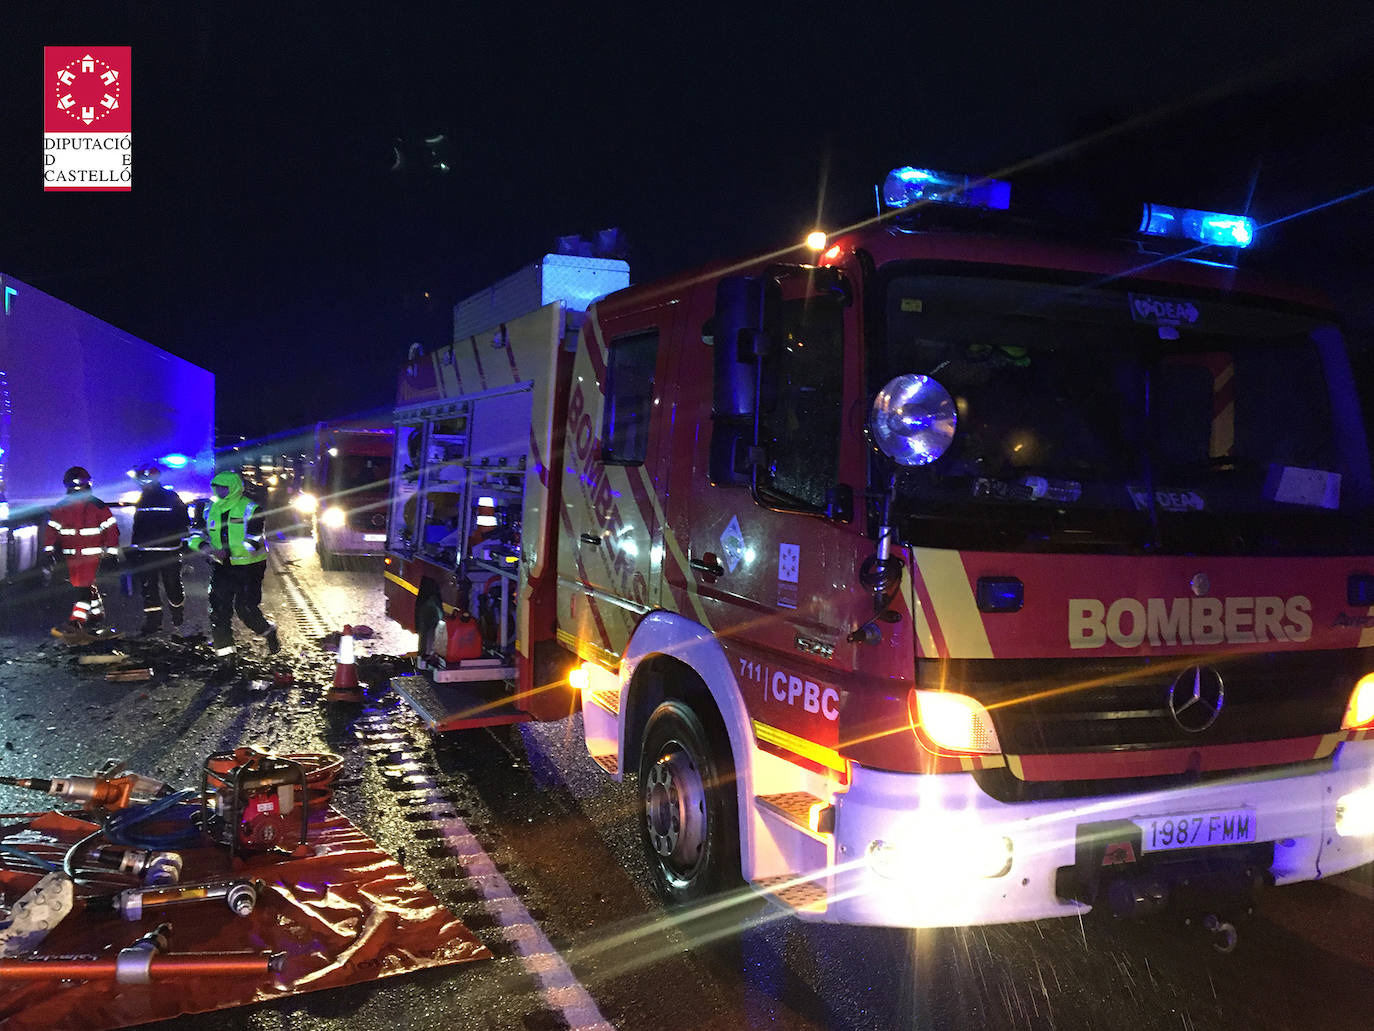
pixel 777 587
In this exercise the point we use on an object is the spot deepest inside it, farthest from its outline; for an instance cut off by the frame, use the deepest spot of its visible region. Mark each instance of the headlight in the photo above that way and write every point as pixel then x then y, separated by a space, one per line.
pixel 1355 813
pixel 1359 711
pixel 305 502
pixel 334 518
pixel 950 722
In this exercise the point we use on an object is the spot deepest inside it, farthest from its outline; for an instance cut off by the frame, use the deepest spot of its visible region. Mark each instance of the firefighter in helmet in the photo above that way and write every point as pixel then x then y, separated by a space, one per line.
pixel 81 529
pixel 233 539
pixel 160 528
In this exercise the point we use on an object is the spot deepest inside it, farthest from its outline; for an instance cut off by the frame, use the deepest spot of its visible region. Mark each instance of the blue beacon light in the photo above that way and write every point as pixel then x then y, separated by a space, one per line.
pixel 907 186
pixel 1214 228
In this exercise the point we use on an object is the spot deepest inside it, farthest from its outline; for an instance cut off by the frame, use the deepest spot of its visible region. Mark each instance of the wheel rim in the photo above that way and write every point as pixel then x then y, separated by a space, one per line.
pixel 675 811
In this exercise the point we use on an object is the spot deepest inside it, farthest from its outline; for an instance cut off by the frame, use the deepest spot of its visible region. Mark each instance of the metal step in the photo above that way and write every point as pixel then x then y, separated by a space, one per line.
pixel 459 706
pixel 467 670
pixel 794 893
pixel 801 809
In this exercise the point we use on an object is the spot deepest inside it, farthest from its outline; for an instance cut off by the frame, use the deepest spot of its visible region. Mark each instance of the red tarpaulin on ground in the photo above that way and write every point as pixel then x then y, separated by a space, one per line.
pixel 346 913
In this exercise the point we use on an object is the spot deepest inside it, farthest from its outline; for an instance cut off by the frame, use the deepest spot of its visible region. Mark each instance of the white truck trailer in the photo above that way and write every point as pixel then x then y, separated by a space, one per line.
pixel 75 390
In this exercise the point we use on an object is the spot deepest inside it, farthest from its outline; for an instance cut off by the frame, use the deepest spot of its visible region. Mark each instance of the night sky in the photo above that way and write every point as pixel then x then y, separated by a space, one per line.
pixel 269 238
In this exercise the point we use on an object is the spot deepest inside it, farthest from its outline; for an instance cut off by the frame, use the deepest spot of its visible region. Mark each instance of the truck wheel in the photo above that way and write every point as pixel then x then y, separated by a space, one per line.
pixel 688 821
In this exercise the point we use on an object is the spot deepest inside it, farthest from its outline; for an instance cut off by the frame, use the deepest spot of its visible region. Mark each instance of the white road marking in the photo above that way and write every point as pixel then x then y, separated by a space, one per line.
pixel 560 987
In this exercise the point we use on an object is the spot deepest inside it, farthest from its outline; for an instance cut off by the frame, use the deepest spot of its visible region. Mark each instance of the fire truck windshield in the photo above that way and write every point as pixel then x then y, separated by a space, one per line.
pixel 1126 416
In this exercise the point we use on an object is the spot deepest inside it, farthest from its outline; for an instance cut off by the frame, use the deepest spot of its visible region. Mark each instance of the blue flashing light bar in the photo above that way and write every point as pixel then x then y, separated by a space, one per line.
pixel 908 186
pixel 174 461
pixel 1214 228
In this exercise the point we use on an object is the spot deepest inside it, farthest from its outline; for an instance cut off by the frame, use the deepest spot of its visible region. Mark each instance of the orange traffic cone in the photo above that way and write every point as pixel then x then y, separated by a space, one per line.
pixel 345 687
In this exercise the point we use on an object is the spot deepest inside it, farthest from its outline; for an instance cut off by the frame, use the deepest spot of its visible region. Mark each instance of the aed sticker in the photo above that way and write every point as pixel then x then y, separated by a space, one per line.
pixel 789 571
pixel 1168 500
pixel 1163 311
pixel 732 544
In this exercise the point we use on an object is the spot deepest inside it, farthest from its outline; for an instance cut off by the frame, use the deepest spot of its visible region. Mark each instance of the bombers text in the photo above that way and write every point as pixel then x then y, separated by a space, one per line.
pixel 1164 622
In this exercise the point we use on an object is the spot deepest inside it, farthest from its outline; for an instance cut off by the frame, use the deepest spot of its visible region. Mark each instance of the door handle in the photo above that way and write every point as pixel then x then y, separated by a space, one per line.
pixel 708 564
pixel 592 539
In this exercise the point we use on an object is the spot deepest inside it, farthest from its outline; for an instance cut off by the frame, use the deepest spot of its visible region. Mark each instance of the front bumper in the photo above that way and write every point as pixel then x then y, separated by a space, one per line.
pixel 348 541
pixel 942 856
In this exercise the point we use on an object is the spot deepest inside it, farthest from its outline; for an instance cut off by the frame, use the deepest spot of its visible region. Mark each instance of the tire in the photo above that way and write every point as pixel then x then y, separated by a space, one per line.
pixel 688 819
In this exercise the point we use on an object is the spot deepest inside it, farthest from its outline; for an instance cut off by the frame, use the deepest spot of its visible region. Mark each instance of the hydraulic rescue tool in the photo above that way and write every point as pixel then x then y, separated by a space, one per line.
pixel 239 895
pixel 254 801
pixel 145 960
pixel 152 867
pixel 112 787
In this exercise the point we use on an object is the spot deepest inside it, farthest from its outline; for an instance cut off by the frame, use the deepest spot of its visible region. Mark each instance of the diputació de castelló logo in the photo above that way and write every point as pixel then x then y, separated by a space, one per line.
pixel 87 119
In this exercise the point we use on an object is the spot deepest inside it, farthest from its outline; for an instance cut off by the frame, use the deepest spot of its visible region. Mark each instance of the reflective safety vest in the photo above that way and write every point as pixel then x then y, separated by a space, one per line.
pixel 233 523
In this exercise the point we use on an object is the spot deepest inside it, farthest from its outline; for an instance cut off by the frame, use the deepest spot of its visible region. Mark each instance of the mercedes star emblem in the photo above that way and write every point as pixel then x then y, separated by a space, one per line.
pixel 1196 698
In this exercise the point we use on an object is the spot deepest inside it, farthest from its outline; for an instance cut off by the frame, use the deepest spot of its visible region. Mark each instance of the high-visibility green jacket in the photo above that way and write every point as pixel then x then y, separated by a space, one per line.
pixel 232 522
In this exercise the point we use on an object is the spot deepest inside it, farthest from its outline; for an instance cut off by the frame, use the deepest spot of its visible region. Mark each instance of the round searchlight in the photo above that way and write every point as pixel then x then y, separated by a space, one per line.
pixel 913 420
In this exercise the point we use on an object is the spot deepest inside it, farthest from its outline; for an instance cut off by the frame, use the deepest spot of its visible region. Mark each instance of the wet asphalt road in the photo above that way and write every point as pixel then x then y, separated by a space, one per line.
pixel 561 837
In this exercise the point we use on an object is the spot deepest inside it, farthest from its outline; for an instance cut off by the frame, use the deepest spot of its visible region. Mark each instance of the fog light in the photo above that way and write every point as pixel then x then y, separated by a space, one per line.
pixel 1355 813
pixel 886 859
pixel 955 855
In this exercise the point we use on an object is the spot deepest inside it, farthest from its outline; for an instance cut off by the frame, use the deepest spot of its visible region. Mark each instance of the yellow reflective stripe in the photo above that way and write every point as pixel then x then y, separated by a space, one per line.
pixel 589 651
pixel 1367 634
pixel 826 757
pixel 400 582
pixel 950 592
pixel 925 640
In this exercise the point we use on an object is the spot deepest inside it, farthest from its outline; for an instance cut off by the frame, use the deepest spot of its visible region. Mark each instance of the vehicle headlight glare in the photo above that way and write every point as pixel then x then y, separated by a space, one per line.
pixel 1355 813
pixel 953 722
pixel 334 518
pixel 1359 711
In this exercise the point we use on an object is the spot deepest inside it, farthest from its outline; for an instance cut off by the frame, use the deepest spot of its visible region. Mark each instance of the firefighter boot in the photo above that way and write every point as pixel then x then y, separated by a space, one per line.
pixel 273 645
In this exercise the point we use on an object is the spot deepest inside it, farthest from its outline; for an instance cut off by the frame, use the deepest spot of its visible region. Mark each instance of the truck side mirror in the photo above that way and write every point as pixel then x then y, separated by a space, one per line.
pixel 742 332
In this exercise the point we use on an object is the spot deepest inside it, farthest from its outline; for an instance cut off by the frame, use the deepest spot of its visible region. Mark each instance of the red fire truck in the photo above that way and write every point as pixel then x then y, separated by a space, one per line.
pixel 968 571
